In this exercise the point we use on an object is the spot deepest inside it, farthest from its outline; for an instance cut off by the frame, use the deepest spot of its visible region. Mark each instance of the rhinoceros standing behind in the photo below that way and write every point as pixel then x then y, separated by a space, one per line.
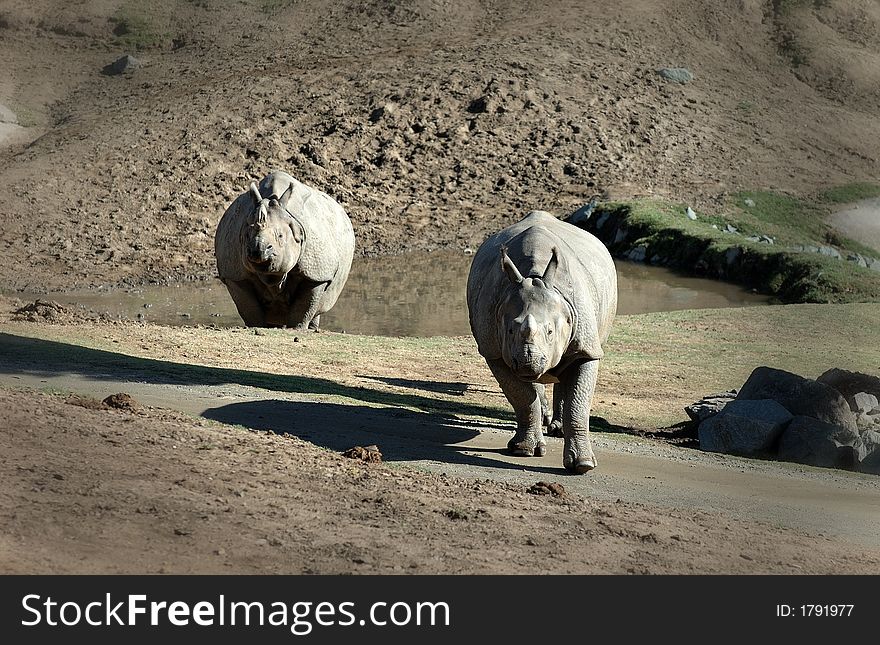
pixel 284 252
pixel 542 295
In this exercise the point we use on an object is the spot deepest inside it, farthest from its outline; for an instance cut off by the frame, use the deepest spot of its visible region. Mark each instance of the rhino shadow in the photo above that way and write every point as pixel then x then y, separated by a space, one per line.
pixel 401 435
pixel 38 357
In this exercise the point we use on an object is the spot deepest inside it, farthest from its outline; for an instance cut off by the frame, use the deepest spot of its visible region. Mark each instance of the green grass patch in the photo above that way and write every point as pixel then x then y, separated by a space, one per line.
pixel 849 193
pixel 136 27
pixel 703 247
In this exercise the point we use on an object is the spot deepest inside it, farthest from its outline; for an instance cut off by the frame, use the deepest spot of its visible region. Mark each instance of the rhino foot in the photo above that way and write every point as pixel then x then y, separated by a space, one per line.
pixel 554 429
pixel 526 448
pixel 581 466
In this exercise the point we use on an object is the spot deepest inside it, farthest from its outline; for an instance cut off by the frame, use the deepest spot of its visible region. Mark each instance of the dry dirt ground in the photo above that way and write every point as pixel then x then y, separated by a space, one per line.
pixel 90 489
pixel 93 490
pixel 432 121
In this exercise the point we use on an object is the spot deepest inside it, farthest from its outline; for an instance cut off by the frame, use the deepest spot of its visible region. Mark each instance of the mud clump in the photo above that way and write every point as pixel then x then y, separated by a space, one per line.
pixel 50 311
pixel 86 402
pixel 121 401
pixel 367 454
pixel 544 488
pixel 42 311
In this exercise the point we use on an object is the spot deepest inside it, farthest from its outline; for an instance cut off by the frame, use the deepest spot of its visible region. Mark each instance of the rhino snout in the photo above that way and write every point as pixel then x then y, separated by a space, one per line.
pixel 260 254
pixel 530 366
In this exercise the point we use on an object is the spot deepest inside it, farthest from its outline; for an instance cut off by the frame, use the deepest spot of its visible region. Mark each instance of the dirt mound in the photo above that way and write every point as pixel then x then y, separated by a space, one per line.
pixel 121 401
pixel 544 488
pixel 369 454
pixel 432 123
pixel 51 312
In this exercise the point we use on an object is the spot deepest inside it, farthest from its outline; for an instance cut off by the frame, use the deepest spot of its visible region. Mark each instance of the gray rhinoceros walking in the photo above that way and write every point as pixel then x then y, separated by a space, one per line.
pixel 542 295
pixel 284 251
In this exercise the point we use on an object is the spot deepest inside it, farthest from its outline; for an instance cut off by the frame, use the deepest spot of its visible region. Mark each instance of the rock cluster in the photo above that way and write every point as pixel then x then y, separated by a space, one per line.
pixel 833 421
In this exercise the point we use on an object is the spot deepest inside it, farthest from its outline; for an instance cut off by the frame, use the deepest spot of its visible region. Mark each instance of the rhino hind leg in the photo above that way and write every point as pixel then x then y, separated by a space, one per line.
pixel 305 306
pixel 546 410
pixel 554 427
pixel 578 384
pixel 315 325
pixel 526 400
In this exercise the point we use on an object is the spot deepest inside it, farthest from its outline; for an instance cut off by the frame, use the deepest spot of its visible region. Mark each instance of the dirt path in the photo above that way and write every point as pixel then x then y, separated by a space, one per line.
pixel 10 130
pixel 841 505
pixel 860 221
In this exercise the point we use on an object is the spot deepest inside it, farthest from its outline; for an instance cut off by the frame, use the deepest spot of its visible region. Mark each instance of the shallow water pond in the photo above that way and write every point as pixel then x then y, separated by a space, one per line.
pixel 407 295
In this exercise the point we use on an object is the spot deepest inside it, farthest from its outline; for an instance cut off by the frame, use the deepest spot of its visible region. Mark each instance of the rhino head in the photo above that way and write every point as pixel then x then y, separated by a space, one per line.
pixel 536 321
pixel 272 238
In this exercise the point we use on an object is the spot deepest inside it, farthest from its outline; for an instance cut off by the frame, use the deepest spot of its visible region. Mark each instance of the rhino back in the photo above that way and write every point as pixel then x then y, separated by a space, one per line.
pixel 587 278
pixel 227 240
pixel 329 237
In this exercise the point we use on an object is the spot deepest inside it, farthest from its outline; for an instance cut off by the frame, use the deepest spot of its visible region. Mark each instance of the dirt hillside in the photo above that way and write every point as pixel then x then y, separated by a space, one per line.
pixel 432 121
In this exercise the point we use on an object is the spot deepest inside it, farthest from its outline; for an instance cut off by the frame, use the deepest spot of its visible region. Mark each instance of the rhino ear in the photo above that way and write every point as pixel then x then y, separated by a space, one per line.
pixel 297 230
pixel 509 267
pixel 286 195
pixel 550 272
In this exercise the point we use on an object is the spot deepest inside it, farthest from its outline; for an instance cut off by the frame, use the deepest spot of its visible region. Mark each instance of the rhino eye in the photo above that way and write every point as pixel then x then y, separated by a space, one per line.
pixel 550 331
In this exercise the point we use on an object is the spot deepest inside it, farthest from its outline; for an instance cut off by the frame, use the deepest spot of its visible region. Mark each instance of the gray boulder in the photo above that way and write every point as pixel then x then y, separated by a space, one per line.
pixel 676 74
pixel 871 462
pixel 581 215
pixel 855 258
pixel 851 383
pixel 867 421
pixel 121 65
pixel 810 441
pixel 744 428
pixel 800 396
pixel 732 254
pixel 709 405
pixel 638 254
pixel 864 402
pixel 830 251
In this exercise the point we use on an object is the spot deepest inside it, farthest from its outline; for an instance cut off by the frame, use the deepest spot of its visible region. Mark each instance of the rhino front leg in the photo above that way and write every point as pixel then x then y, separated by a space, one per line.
pixel 305 305
pixel 526 401
pixel 578 384
pixel 249 307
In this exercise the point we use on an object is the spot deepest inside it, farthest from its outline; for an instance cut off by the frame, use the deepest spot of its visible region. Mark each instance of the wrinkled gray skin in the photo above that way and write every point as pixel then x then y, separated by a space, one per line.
pixel 542 295
pixel 284 251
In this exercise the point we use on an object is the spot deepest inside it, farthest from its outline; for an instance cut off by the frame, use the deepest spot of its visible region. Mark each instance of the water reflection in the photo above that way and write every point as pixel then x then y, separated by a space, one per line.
pixel 409 295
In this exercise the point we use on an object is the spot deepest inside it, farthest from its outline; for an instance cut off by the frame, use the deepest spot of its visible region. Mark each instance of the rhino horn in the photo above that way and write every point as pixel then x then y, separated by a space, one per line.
pixel 255 193
pixel 552 266
pixel 509 267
